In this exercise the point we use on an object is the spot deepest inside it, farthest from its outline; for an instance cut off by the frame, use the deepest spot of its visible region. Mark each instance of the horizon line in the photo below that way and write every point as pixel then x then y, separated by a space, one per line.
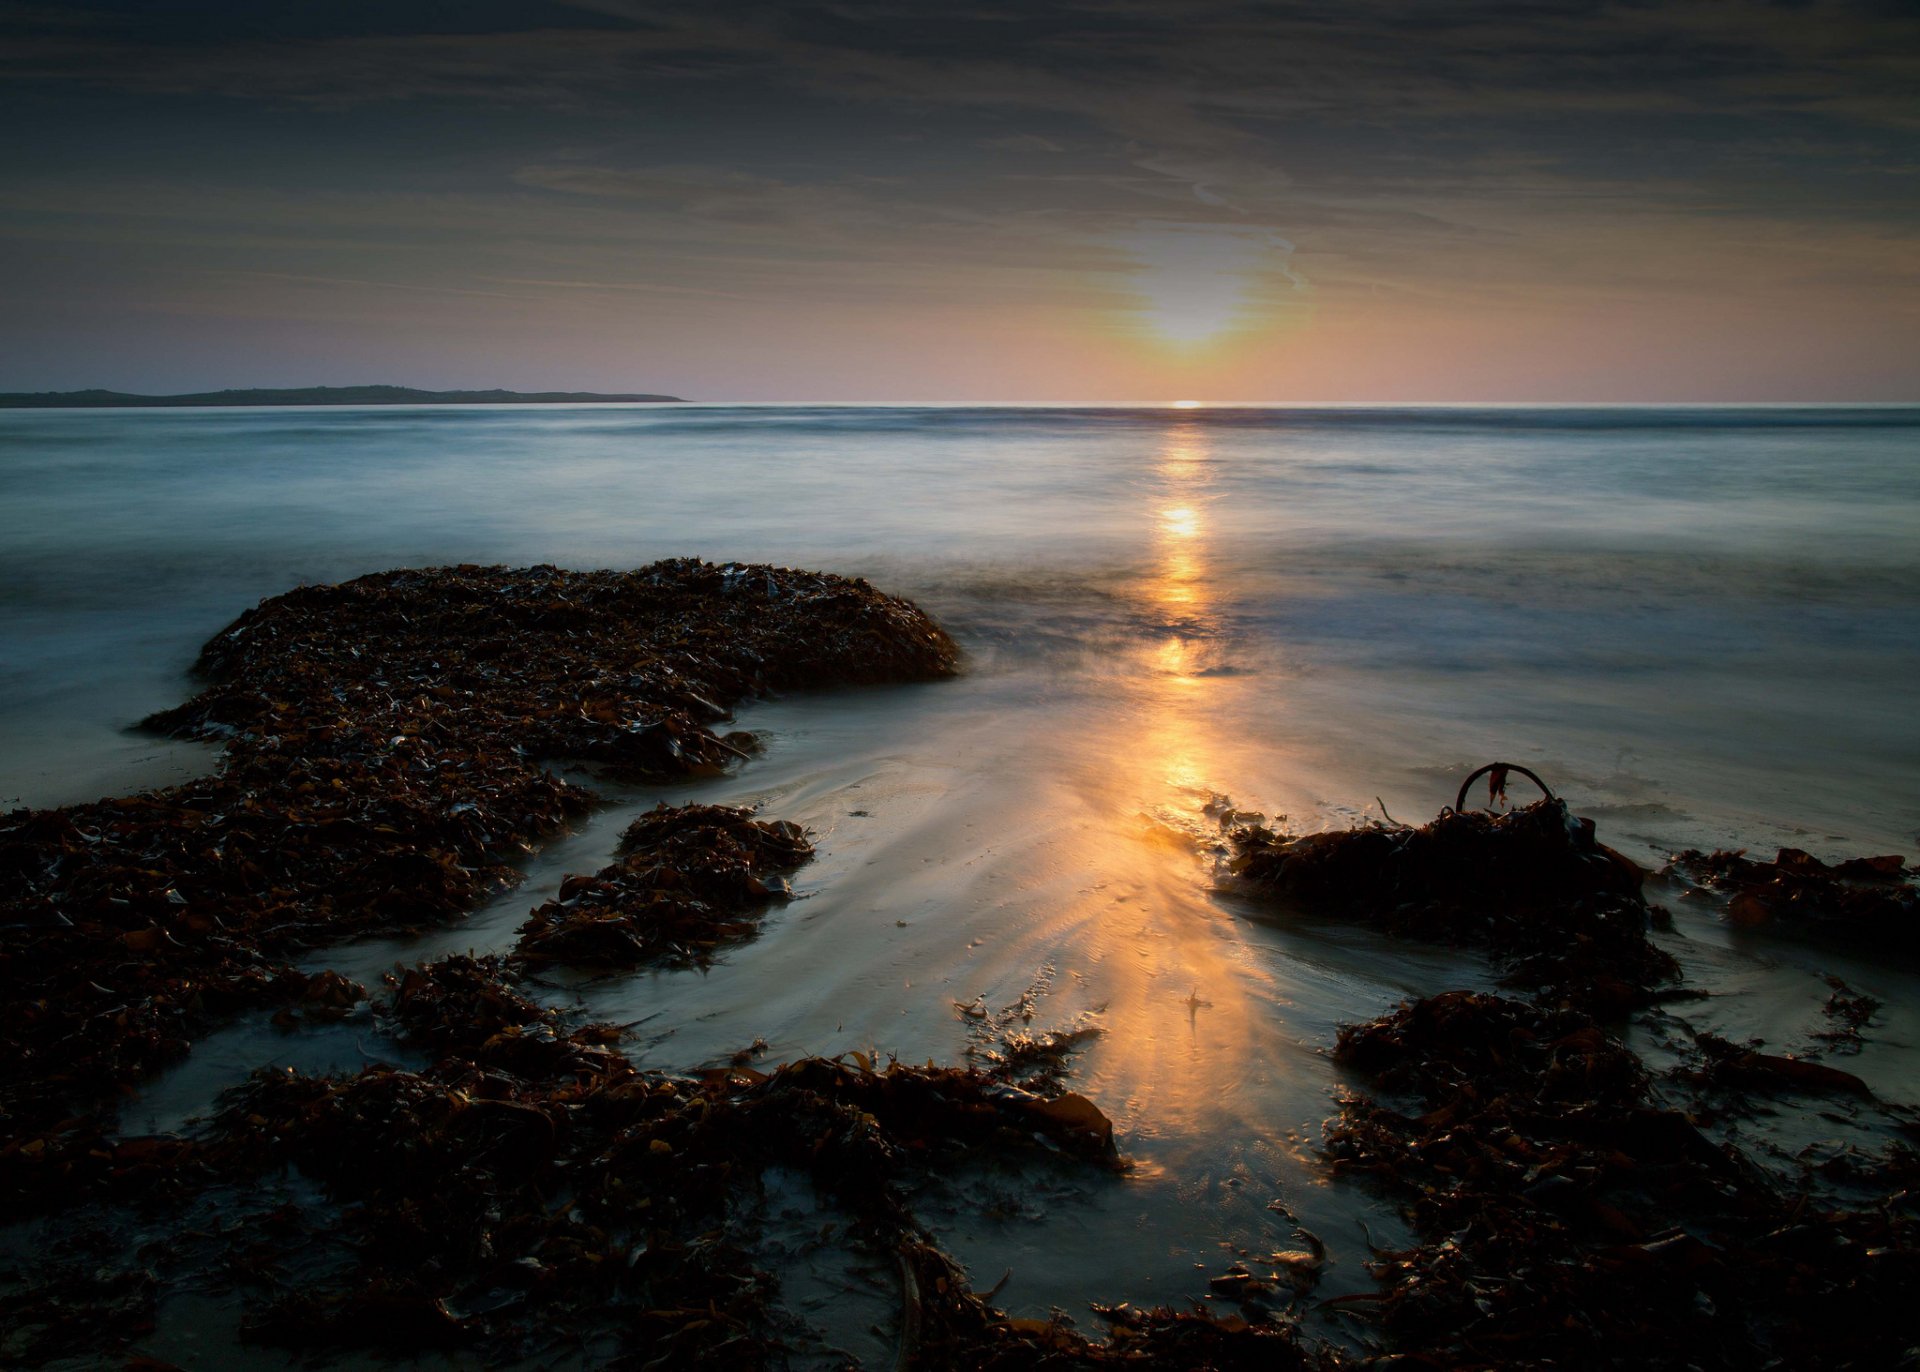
pixel 1137 403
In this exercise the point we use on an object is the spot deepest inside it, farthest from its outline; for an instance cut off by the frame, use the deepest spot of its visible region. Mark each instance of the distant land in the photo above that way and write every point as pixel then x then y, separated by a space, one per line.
pixel 310 395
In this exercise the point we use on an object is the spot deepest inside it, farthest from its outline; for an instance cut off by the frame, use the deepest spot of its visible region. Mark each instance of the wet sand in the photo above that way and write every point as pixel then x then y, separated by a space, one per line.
pixel 1073 876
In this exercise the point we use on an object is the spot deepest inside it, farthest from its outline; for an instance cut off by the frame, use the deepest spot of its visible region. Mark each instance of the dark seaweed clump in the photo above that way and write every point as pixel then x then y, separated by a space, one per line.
pixel 689 879
pixel 1871 900
pixel 1568 1214
pixel 383 767
pixel 534 1197
pixel 534 1194
pixel 1534 886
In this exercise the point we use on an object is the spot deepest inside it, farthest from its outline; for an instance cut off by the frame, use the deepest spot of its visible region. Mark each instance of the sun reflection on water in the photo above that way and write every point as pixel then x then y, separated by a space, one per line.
pixel 1178 590
pixel 1180 521
pixel 1177 582
pixel 1182 1023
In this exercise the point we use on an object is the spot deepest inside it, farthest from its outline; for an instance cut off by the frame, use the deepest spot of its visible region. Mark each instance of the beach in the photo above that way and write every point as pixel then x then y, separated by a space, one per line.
pixel 1696 624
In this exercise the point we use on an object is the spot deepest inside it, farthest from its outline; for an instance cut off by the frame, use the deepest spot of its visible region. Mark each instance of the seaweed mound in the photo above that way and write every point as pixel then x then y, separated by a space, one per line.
pixel 383 768
pixel 535 1197
pixel 1869 900
pixel 1532 885
pixel 623 669
pixel 467 1007
pixel 1567 1215
pixel 534 1185
pixel 691 878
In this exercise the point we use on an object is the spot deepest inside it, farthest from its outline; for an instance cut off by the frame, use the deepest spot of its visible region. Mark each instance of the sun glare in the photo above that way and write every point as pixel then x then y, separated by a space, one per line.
pixel 1199 282
pixel 1180 521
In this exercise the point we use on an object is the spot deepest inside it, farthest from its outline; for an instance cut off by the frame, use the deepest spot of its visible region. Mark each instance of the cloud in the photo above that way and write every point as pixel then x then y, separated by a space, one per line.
pixel 1022 142
pixel 1486 158
pixel 1243 108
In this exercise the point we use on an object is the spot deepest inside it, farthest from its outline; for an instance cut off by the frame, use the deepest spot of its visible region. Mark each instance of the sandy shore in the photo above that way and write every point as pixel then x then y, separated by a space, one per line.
pixel 1204 1041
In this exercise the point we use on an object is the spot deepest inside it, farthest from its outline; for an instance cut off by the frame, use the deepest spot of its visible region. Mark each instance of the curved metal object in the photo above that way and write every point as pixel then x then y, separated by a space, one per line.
pixel 1460 801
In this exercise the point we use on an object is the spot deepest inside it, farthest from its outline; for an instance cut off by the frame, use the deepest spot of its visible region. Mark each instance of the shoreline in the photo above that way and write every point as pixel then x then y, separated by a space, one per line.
pixel 152 1168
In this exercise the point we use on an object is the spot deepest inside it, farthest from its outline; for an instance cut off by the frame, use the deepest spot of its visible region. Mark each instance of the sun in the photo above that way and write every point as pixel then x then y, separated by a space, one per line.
pixel 1184 405
pixel 1196 284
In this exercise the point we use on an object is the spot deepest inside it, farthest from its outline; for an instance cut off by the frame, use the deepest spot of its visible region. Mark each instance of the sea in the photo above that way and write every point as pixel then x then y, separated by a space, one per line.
pixel 1700 625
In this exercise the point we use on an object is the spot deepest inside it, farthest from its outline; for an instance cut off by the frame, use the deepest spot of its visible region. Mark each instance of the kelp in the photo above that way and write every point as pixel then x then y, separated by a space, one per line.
pixel 1872 900
pixel 1566 1211
pixel 1569 1215
pixel 383 769
pixel 563 1203
pixel 1534 886
pixel 533 1195
pixel 690 879
pixel 513 1197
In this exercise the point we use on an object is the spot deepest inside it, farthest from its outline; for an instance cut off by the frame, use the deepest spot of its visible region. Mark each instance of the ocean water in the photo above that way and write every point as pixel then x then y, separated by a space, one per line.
pixel 1705 622
pixel 1702 626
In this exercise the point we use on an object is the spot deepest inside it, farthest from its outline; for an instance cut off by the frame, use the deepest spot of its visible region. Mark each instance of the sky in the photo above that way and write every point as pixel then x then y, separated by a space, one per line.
pixel 1094 200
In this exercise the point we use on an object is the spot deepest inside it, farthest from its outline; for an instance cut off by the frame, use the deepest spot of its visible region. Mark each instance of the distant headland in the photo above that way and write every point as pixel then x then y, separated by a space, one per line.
pixel 311 395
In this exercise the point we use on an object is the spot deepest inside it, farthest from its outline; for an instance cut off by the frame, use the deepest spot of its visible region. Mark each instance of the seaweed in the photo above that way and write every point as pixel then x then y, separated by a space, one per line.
pixel 1872 900
pixel 1568 1214
pixel 514 1198
pixel 383 769
pixel 1533 885
pixel 690 879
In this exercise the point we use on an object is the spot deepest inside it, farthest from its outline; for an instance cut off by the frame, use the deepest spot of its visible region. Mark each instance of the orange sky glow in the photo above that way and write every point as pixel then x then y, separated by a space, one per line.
pixel 1036 202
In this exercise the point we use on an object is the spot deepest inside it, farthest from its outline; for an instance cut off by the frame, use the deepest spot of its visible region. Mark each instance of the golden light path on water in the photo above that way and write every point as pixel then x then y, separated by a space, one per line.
pixel 1181 1023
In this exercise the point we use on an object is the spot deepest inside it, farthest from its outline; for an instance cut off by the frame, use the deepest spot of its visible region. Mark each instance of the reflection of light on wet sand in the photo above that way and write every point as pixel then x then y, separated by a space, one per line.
pixel 1182 1023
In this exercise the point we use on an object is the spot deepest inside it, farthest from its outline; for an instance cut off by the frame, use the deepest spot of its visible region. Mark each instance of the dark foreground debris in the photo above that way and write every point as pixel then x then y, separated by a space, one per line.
pixel 1533 886
pixel 690 878
pixel 385 741
pixel 534 1198
pixel 1872 900
pixel 1740 1072
pixel 1570 1218
pixel 1568 1214
pixel 535 1195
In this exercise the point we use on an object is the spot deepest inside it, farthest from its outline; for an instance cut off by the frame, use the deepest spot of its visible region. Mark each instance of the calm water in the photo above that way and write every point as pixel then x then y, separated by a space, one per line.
pixel 1706 620
pixel 1703 626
